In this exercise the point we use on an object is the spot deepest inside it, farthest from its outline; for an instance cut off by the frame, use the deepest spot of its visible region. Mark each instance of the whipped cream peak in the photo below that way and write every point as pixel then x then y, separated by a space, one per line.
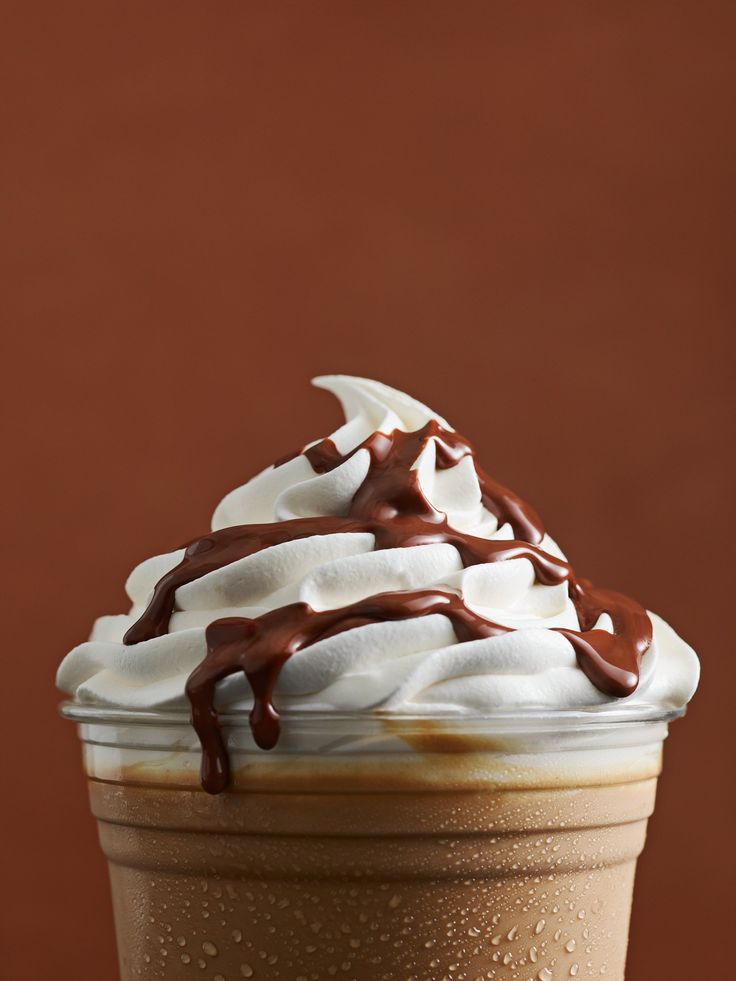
pixel 376 407
pixel 379 569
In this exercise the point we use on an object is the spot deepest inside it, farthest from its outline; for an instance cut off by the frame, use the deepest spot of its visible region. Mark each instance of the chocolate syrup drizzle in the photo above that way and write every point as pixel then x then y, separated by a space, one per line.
pixel 260 647
pixel 391 506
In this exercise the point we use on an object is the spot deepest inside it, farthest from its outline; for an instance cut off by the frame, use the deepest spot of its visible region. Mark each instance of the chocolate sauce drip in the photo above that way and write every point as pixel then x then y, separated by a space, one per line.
pixel 610 660
pixel 260 648
pixel 391 506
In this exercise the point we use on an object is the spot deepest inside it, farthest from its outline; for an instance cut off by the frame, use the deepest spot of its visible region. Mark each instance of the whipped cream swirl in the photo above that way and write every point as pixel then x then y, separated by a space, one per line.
pixel 411 666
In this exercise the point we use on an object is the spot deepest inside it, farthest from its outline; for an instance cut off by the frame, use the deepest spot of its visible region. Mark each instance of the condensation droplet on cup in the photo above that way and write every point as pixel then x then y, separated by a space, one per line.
pixel 574 970
pixel 570 946
pixel 246 970
pixel 209 948
pixel 545 974
pixel 539 927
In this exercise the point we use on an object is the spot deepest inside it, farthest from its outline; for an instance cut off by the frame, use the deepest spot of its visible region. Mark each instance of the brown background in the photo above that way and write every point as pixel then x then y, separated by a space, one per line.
pixel 516 211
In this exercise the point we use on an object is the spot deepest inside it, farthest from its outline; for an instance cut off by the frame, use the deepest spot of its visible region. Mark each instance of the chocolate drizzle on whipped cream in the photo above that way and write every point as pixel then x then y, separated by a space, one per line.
pixel 260 647
pixel 394 466
pixel 390 505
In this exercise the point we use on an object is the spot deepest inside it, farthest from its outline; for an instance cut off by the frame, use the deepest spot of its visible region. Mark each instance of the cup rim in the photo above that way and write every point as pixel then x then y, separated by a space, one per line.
pixel 517 720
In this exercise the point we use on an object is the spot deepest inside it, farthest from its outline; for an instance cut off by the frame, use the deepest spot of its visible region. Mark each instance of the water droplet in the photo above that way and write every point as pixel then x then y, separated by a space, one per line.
pixel 511 935
pixel 394 901
pixel 533 955
pixel 574 970
pixel 570 946
pixel 185 959
pixel 209 948
pixel 539 927
pixel 545 974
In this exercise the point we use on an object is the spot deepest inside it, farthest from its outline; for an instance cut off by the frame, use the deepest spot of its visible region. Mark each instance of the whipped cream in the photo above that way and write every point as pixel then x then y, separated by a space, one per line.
pixel 414 666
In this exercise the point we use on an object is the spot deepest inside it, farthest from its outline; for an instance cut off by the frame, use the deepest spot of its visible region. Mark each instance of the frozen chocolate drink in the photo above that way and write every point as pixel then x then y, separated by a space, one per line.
pixel 374 726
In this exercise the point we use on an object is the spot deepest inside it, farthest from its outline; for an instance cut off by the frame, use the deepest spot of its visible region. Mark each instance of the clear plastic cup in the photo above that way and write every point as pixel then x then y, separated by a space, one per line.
pixel 375 847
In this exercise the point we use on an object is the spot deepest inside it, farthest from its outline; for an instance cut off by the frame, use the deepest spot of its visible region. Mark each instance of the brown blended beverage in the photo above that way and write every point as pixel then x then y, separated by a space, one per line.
pixel 463 736
pixel 409 852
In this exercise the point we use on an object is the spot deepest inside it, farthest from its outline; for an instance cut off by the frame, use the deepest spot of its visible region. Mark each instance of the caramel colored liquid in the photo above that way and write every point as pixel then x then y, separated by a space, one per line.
pixel 372 886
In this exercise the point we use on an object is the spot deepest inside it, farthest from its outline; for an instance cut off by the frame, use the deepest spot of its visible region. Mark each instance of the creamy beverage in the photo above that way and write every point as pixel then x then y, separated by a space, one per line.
pixel 373 725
